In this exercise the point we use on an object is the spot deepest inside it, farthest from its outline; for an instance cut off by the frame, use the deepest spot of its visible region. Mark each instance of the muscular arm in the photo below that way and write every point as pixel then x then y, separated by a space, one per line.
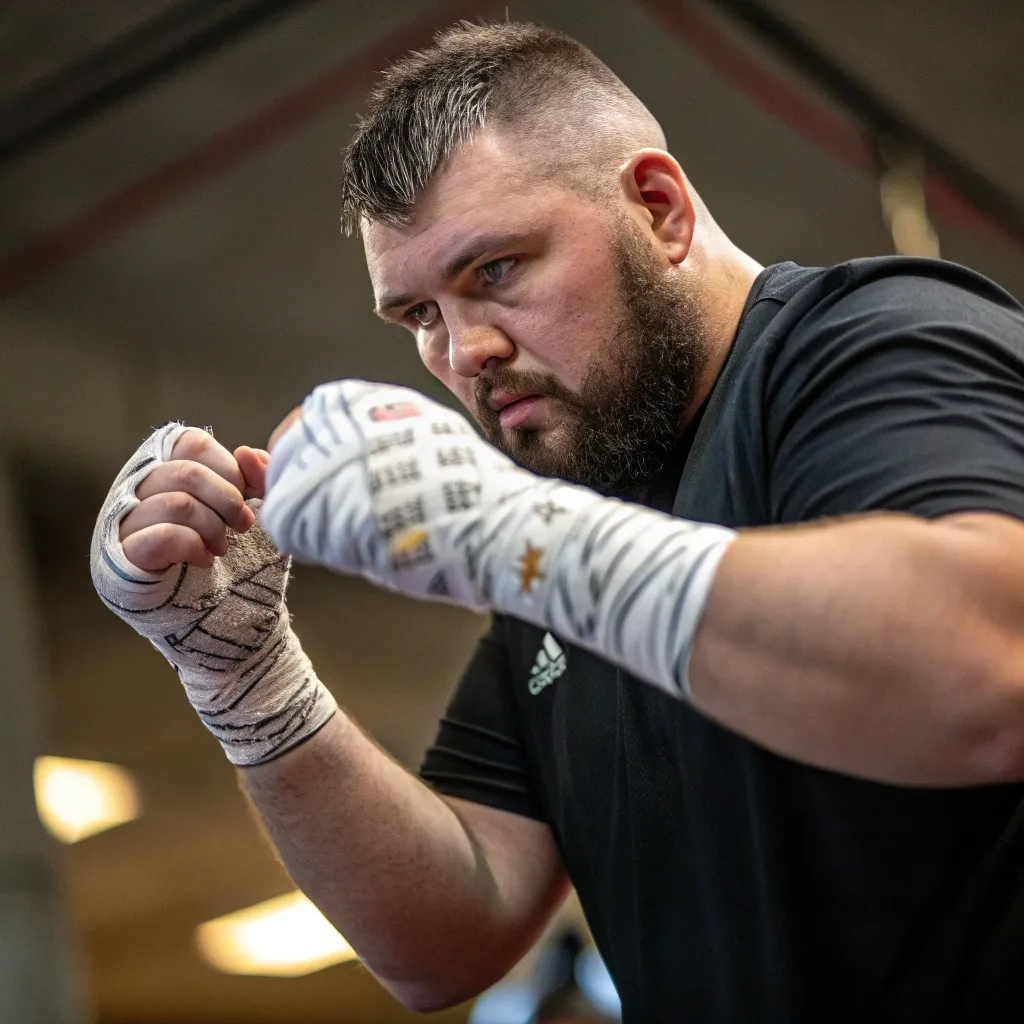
pixel 440 897
pixel 886 646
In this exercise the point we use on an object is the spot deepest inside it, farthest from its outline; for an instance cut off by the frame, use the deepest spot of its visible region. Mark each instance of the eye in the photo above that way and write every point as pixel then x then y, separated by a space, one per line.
pixel 424 314
pixel 496 271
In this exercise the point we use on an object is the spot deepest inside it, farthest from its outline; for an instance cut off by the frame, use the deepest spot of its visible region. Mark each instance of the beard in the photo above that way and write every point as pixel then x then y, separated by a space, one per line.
pixel 619 430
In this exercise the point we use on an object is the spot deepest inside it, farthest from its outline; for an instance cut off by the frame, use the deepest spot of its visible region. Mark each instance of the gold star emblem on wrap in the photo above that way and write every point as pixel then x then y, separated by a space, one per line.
pixel 529 567
pixel 410 549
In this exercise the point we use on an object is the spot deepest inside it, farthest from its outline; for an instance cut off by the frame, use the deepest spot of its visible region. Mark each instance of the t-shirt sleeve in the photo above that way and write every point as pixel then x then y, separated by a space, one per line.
pixel 907 394
pixel 478 754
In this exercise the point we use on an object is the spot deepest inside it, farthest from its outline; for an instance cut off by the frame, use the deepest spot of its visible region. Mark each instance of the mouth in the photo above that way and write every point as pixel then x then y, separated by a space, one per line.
pixel 514 410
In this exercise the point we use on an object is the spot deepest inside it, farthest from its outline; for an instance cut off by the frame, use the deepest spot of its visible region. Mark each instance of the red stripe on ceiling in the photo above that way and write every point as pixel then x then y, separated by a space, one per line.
pixel 772 93
pixel 806 117
pixel 80 235
pixel 769 91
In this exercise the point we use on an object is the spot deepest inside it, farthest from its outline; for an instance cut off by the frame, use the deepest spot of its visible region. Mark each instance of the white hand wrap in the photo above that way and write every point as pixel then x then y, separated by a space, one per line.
pixel 225 629
pixel 382 481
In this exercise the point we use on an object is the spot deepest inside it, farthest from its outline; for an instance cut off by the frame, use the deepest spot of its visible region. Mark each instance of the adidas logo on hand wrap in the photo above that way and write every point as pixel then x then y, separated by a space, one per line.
pixel 549 664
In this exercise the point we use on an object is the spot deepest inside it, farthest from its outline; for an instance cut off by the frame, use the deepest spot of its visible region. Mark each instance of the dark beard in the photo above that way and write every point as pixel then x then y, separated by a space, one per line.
pixel 619 430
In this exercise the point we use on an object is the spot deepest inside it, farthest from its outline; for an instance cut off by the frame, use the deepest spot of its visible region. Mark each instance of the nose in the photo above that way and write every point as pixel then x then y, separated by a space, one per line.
pixel 471 347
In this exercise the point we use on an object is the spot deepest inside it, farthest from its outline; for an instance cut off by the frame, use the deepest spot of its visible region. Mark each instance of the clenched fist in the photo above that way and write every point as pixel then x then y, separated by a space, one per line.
pixel 381 481
pixel 178 554
pixel 187 504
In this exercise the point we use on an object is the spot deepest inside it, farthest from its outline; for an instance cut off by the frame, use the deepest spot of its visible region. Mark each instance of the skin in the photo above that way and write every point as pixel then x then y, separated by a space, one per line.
pixel 882 646
pixel 546 301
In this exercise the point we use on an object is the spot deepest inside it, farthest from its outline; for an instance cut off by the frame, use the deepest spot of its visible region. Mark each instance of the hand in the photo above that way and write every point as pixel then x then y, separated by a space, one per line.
pixel 381 481
pixel 187 504
pixel 179 556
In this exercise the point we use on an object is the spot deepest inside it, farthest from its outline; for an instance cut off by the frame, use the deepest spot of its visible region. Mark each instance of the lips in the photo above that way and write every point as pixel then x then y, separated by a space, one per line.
pixel 499 400
pixel 515 412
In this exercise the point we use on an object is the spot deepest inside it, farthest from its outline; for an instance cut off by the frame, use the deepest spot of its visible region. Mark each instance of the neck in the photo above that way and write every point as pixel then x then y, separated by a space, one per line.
pixel 729 274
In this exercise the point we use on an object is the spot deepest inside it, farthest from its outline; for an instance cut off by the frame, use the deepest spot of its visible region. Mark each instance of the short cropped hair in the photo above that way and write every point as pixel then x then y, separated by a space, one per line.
pixel 531 80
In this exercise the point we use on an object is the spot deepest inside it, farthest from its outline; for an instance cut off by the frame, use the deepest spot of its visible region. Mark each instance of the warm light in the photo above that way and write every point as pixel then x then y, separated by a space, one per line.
pixel 76 799
pixel 286 936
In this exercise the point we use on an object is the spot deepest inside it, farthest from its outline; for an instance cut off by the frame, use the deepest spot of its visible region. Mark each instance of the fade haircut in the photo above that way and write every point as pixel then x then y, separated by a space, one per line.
pixel 575 116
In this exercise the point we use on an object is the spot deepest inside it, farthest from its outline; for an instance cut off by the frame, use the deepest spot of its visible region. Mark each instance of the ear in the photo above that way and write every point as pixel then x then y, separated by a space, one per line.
pixel 655 185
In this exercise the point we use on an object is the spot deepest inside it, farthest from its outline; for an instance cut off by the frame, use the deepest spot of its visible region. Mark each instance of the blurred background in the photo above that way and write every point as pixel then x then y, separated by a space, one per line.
pixel 169 248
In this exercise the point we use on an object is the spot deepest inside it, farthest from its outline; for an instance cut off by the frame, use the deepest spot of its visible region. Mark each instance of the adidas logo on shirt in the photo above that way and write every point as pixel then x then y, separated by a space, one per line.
pixel 549 664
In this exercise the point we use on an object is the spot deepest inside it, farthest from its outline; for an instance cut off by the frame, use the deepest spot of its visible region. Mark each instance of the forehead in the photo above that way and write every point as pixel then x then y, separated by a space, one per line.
pixel 487 186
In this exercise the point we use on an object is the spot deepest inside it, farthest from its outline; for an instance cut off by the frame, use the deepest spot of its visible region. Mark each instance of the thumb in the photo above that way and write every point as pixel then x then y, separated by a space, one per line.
pixel 253 464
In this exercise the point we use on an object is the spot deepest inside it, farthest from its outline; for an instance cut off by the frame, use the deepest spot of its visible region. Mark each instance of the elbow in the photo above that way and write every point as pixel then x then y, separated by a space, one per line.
pixel 444 988
pixel 433 996
pixel 993 721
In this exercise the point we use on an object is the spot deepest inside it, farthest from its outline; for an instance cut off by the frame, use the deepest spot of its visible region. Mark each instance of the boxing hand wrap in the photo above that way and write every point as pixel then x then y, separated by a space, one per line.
pixel 382 481
pixel 225 629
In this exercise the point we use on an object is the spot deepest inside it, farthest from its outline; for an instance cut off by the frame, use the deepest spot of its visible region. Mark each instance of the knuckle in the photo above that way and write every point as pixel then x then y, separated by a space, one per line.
pixel 179 505
pixel 160 537
pixel 155 482
pixel 148 547
pixel 192 444
pixel 153 543
pixel 190 475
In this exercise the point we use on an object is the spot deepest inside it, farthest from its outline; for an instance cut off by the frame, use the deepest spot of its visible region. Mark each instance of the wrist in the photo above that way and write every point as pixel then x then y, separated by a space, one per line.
pixel 266 709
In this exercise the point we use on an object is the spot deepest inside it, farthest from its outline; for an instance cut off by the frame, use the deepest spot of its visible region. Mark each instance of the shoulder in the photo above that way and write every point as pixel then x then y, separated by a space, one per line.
pixel 891 311
pixel 901 387
pixel 895 292
pixel 802 318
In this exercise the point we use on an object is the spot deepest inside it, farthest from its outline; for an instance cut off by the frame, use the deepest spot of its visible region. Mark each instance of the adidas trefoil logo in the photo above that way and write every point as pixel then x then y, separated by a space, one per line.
pixel 549 664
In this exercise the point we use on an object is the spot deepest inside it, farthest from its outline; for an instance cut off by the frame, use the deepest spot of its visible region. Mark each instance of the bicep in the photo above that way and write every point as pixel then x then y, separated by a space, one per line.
pixel 478 766
pixel 528 876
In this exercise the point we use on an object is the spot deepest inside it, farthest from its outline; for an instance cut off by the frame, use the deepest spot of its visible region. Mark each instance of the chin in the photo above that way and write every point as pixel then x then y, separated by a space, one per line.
pixel 539 451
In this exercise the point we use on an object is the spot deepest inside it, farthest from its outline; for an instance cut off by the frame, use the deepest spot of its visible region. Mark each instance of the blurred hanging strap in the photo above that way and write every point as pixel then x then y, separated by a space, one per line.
pixel 954 188
pixel 901 187
pixel 181 35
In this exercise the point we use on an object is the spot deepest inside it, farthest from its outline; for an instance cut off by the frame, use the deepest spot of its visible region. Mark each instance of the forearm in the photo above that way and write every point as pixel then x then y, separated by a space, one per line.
pixel 395 868
pixel 880 646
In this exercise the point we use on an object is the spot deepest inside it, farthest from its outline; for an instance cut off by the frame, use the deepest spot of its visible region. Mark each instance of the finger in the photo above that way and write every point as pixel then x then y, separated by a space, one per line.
pixel 199 446
pixel 283 426
pixel 177 507
pixel 253 464
pixel 212 489
pixel 165 544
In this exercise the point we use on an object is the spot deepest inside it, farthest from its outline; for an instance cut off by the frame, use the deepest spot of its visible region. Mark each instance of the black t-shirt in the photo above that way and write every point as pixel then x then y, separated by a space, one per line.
pixel 722 882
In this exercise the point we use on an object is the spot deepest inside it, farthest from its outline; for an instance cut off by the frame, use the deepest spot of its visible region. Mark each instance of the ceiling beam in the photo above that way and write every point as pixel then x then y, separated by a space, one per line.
pixel 347 80
pixel 127 65
pixel 955 191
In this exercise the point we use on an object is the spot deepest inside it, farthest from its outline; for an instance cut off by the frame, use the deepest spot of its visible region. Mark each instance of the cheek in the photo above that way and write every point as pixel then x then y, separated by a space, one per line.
pixel 570 319
pixel 433 353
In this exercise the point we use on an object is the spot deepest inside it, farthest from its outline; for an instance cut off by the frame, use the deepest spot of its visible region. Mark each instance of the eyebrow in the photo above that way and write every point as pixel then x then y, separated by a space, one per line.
pixel 476 247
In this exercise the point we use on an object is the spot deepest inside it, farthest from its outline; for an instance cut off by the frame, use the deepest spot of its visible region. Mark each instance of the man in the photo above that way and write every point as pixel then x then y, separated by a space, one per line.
pixel 781 766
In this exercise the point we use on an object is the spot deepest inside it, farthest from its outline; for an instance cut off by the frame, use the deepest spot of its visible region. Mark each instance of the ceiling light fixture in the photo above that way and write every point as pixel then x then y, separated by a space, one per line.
pixel 283 937
pixel 77 799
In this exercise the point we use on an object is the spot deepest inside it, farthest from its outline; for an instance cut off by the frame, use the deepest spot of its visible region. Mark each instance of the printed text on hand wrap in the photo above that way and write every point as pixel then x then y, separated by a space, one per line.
pixel 381 481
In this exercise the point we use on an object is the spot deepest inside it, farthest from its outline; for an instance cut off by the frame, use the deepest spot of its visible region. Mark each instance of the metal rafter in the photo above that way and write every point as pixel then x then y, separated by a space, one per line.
pixel 130 63
pixel 878 117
